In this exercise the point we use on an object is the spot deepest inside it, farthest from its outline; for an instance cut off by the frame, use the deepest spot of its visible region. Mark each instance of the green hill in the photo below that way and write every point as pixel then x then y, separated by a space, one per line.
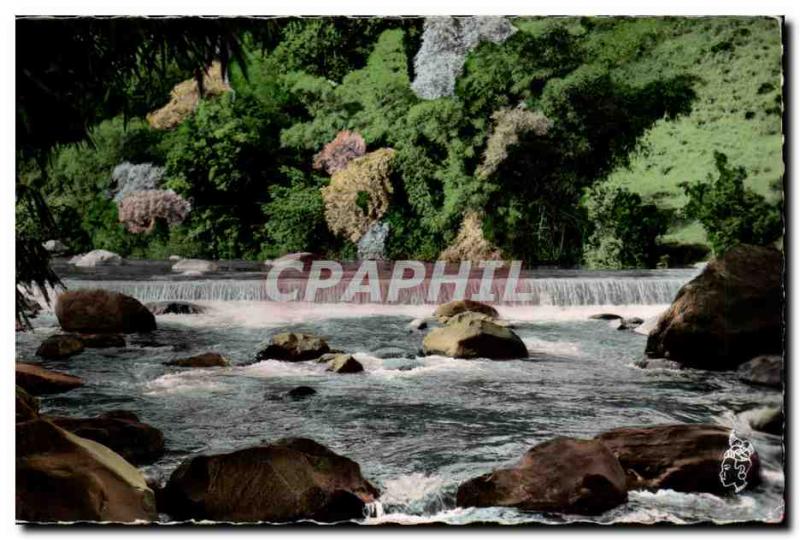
pixel 737 111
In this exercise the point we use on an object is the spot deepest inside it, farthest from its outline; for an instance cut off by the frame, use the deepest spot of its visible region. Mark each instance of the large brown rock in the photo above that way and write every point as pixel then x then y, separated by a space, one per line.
pixel 562 475
pixel 763 370
pixel 727 315
pixel 445 311
pixel 345 363
pixel 681 457
pixel 289 480
pixel 27 406
pixel 97 311
pixel 60 346
pixel 121 431
pixel 63 477
pixel 39 381
pixel 294 347
pixel 474 338
pixel 205 360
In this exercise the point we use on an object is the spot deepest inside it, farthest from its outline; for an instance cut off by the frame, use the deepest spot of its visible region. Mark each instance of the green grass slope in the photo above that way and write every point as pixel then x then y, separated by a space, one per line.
pixel 737 62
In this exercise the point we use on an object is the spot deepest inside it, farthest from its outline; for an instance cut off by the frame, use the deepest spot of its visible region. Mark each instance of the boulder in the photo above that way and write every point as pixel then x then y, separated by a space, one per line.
pixel 194 265
pixel 102 341
pixel 56 247
pixel 121 431
pixel 345 363
pixel 474 339
pixel 97 257
pixel 293 347
pixel 289 480
pixel 767 420
pixel 727 315
pixel 445 311
pixel 626 324
pixel 60 346
pixel 681 457
pixel 63 477
pixel 97 311
pixel 301 392
pixel 27 406
pixel 205 360
pixel 562 475
pixel 39 381
pixel 763 370
pixel 605 316
pixel 178 308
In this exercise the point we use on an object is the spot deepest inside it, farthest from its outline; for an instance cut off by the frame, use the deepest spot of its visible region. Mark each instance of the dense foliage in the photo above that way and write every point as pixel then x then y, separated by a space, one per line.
pixel 531 118
pixel 731 213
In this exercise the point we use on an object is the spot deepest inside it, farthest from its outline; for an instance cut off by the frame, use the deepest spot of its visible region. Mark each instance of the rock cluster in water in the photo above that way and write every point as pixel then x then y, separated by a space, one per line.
pixel 80 468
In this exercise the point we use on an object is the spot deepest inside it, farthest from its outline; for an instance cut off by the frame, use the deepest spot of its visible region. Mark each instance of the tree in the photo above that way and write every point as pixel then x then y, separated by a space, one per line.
pixel 730 213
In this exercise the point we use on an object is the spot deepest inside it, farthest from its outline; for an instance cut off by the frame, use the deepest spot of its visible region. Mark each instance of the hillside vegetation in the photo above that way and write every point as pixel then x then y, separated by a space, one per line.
pixel 561 141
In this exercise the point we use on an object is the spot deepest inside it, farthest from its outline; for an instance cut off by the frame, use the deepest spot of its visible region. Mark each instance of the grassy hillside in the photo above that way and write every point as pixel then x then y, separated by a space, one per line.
pixel 737 63
pixel 737 111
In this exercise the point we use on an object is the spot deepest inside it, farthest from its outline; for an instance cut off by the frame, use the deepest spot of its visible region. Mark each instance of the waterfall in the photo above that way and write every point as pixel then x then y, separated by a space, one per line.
pixel 574 290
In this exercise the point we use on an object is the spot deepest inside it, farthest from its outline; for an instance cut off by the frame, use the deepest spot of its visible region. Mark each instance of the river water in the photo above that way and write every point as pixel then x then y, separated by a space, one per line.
pixel 418 426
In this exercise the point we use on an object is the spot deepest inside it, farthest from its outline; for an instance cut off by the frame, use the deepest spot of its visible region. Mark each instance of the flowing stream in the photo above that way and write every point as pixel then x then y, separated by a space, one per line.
pixel 418 426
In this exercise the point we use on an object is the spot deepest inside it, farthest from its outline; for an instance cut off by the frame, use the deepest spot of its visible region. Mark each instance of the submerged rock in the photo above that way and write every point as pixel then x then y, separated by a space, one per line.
pixel 121 431
pixel 562 475
pixel 178 308
pixel 294 347
pixel 301 392
pixel 289 480
pixel 102 341
pixel 605 316
pixel 194 265
pixel 474 339
pixel 39 381
pixel 97 311
pixel 97 257
pixel 345 363
pixel 763 370
pixel 727 315
pixel 63 477
pixel 27 406
pixel 657 363
pixel 626 324
pixel 450 309
pixel 205 360
pixel 681 457
pixel 60 346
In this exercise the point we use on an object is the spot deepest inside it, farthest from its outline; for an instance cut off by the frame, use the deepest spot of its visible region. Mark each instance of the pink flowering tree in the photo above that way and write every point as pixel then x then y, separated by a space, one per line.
pixel 140 210
pixel 335 156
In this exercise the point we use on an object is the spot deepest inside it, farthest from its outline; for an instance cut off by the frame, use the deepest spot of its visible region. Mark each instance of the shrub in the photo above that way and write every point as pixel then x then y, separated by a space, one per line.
pixel 340 151
pixel 296 217
pixel 624 229
pixel 368 174
pixel 730 213
pixel 509 124
pixel 470 244
pixel 140 210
